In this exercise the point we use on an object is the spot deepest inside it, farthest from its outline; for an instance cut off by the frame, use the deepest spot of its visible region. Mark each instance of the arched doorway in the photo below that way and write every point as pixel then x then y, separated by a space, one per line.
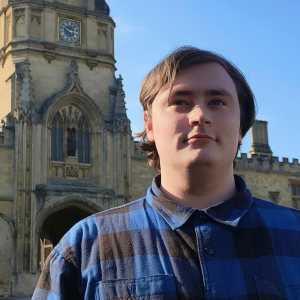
pixel 55 226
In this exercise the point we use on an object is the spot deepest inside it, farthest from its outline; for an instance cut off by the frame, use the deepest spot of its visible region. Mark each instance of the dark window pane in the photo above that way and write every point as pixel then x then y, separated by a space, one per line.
pixel 71 143
pixel 60 142
pixel 86 147
pixel 80 148
pixel 53 143
pixel 298 190
pixel 294 205
pixel 292 190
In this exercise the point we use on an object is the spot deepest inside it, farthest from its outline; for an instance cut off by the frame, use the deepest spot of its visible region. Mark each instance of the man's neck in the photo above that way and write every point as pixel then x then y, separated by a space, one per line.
pixel 200 189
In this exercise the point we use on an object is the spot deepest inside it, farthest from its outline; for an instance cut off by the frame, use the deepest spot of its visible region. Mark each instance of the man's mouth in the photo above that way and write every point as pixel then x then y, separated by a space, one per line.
pixel 200 136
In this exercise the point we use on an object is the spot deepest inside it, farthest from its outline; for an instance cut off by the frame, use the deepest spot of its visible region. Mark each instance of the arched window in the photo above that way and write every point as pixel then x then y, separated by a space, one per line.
pixel 57 138
pixel 70 136
pixel 83 141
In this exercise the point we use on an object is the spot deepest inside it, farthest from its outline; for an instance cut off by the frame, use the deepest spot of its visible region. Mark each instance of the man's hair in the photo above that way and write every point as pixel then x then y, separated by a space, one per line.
pixel 163 75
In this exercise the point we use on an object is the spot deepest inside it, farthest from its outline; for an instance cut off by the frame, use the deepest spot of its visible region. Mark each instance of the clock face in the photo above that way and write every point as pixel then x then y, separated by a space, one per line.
pixel 69 31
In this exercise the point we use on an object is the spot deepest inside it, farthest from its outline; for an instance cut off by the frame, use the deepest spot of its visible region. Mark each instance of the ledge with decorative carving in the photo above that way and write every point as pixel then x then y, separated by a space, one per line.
pixel 59 50
pixel 70 170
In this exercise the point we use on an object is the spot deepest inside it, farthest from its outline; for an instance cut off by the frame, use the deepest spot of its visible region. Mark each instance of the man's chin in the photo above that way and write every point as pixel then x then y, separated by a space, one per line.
pixel 202 160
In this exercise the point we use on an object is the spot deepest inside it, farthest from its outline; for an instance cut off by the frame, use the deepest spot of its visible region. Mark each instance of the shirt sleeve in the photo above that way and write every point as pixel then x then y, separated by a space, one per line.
pixel 58 280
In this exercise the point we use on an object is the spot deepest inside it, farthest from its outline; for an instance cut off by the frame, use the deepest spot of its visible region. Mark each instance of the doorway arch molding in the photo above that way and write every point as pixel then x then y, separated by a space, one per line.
pixel 10 223
pixel 82 203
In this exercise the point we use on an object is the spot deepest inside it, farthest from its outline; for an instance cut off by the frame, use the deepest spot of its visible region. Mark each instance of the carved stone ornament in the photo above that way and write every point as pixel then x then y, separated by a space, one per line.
pixel 35 13
pixel 74 90
pixel 2 57
pixel 91 64
pixel 72 171
pixel 70 117
pixel 49 57
pixel 102 28
pixel 40 200
pixel 74 66
pixel 7 35
pixel 19 15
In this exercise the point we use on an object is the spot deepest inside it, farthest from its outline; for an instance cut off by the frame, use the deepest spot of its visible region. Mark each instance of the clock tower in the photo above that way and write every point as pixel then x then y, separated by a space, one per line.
pixel 66 149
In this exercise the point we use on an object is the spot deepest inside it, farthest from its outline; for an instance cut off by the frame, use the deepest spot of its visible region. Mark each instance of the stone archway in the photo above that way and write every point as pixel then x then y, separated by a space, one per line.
pixel 56 225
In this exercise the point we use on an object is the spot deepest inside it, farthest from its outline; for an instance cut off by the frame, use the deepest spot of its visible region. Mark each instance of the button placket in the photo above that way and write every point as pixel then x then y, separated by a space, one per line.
pixel 202 216
pixel 205 249
pixel 209 250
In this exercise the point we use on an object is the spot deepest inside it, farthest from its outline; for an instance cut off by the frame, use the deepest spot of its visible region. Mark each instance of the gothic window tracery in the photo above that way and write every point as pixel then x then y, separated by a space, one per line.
pixel 70 136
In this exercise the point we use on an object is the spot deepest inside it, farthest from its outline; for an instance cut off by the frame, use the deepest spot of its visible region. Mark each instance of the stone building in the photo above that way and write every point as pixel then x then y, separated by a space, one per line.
pixel 66 147
pixel 265 175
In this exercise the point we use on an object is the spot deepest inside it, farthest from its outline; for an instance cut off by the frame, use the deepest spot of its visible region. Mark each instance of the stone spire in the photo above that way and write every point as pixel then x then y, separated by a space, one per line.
pixel 259 139
pixel 120 110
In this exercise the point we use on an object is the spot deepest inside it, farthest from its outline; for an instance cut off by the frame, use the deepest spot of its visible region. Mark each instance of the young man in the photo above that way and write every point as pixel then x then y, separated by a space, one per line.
pixel 198 233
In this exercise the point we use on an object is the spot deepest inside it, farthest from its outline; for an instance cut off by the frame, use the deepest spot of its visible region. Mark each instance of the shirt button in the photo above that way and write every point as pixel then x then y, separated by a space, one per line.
pixel 203 216
pixel 209 250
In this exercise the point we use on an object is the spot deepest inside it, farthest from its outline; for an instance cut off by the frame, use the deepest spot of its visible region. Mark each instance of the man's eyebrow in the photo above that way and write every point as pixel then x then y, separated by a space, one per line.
pixel 217 92
pixel 181 93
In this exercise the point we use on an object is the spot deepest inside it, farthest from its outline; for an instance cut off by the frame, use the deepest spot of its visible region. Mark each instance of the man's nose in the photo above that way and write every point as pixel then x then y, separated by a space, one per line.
pixel 199 116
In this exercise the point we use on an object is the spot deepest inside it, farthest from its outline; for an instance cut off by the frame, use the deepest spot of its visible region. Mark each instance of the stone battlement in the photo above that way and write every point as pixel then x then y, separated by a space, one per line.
pixel 269 164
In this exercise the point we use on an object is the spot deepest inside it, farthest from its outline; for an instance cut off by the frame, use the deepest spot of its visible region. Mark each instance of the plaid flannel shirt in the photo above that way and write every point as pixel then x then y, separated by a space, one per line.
pixel 153 248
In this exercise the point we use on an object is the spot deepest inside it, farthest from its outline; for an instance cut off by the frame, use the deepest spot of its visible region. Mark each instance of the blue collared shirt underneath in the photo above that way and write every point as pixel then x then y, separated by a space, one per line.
pixel 153 248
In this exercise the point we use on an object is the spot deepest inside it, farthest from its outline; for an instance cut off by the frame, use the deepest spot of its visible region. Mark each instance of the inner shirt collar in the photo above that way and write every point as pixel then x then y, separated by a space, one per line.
pixel 228 212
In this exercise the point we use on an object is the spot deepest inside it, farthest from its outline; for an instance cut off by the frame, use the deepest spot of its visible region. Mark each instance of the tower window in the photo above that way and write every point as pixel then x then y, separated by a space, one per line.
pixel 70 136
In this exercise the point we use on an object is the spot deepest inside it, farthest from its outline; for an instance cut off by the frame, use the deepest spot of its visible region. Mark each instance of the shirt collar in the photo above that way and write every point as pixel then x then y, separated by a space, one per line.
pixel 228 212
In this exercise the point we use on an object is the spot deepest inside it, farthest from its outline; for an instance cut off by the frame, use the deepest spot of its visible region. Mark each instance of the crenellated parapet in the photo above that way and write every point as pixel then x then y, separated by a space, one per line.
pixel 267 164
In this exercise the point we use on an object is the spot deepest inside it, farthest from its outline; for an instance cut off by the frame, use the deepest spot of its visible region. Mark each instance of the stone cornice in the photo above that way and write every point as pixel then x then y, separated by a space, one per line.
pixel 52 50
pixel 61 6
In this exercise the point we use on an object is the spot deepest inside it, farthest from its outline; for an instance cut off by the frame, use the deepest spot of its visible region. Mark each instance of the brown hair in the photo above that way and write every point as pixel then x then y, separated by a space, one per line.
pixel 164 75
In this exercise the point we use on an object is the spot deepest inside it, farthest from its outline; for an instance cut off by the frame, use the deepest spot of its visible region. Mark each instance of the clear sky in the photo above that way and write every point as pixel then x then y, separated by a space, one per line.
pixel 260 37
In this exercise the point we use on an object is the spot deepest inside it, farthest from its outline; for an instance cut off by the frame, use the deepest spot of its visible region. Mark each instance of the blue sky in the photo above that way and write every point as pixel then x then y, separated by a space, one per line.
pixel 260 37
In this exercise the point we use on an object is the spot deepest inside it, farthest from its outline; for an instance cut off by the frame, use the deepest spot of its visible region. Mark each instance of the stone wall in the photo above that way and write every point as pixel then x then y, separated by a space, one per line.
pixel 6 254
pixel 6 169
pixel 265 175
pixel 141 173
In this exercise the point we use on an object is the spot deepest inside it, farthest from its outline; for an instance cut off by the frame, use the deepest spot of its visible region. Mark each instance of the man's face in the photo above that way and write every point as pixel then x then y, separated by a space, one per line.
pixel 198 123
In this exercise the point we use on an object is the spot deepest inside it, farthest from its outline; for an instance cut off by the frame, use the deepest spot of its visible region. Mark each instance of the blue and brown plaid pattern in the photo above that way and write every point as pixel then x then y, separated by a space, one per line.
pixel 153 248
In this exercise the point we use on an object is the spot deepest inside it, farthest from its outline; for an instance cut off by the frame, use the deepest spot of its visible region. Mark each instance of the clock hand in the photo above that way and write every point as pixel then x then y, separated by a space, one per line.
pixel 71 31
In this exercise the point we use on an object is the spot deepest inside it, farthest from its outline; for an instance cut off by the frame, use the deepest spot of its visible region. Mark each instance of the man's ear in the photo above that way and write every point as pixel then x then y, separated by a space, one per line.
pixel 149 126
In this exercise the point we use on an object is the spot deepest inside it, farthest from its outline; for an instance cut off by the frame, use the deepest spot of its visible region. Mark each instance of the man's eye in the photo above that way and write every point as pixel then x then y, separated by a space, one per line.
pixel 217 102
pixel 179 102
